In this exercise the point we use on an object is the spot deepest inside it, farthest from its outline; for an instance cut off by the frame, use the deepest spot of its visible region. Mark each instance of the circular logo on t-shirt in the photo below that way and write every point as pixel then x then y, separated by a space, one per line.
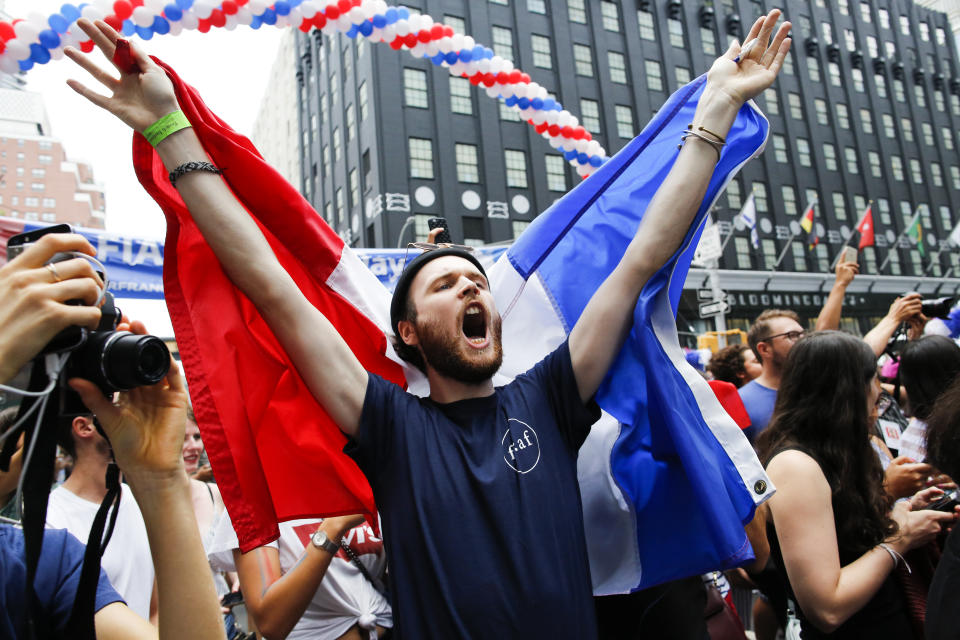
pixel 521 448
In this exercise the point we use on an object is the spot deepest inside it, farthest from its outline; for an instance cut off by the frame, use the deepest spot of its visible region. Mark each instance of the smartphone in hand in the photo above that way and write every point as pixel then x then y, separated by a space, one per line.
pixel 440 223
pixel 849 254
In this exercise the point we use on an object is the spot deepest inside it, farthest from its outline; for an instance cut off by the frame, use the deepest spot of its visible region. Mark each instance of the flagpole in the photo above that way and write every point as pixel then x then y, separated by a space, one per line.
pixel 793 235
pixel 897 241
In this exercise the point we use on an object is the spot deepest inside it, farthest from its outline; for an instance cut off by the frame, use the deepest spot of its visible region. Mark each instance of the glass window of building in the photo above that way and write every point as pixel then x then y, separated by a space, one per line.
pixel 583 60
pixel 813 69
pixel 648 28
pixel 421 158
pixel 516 163
pixel 857 75
pixel 906 212
pixel 883 206
pixel 826 29
pixel 339 204
pixel 518 227
pixel 468 167
pixel 38 173
pixel 541 51
pixel 337 145
pixel 941 36
pixel 354 187
pixel 50 203
pixel 734 201
pixel 503 2
pixel 896 167
pixel 351 123
pixel 803 151
pixel 556 173
pixel 799 255
pixel 898 91
pixel 884 17
pixel 789 198
pixel 874 159
pixel 839 205
pixel 456 23
pixel 850 39
pixel 624 121
pixel 955 176
pixel 675 29
pixel 759 190
pixel 796 106
pixel 415 88
pixel 881 83
pixel 682 75
pixel 916 262
pixel 461 100
pixel 772 101
pixel 709 40
pixel 537 6
pixel 843 115
pixel 830 156
pixel 920 95
pixel 924 31
pixel 946 134
pixel 823 260
pixel 769 249
pixel 905 25
pixel 866 120
pixel 780 148
pixel 508 114
pixel 865 14
pixel 590 115
pixel 363 100
pixel 859 205
pixel 894 262
pixel 844 6
pixel 577 11
pixel 820 106
pixel 655 75
pixel 936 174
pixel 326 159
pixel 926 130
pixel 938 101
pixel 906 125
pixel 870 258
pixel 44 159
pixel 889 129
pixel 742 246
pixel 328 215
pixel 873 49
pixel 915 171
pixel 610 15
pixel 850 156
pixel 955 104
pixel 946 222
pixel 618 67
pixel 503 42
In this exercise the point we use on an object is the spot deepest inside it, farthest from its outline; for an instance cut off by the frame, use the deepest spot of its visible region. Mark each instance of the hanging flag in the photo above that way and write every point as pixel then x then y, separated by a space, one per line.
pixel 955 235
pixel 749 216
pixel 915 231
pixel 667 478
pixel 865 227
pixel 807 224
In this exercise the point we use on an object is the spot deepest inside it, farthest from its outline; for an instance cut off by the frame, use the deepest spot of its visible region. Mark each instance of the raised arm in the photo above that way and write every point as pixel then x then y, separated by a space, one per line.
pixel 333 374
pixel 900 311
pixel 604 324
pixel 829 317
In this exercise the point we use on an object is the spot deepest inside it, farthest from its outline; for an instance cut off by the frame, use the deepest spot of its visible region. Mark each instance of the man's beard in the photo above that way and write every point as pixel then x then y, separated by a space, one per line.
pixel 444 353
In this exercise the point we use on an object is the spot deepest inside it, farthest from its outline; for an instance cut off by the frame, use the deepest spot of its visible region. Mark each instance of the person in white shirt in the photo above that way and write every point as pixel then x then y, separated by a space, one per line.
pixel 73 505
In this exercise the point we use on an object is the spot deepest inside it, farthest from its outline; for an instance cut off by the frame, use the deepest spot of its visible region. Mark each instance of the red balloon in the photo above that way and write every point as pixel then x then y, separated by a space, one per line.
pixel 436 31
pixel 356 3
pixel 424 36
pixel 203 26
pixel 320 20
pixel 332 12
pixel 410 40
pixel 397 44
pixel 136 3
pixel 578 133
pixel 554 130
pixel 6 31
pixel 566 132
pixel 587 137
pixel 514 77
pixel 540 128
pixel 503 77
pixel 240 3
pixel 122 9
pixel 230 7
pixel 114 22
pixel 489 80
pixel 344 6
pixel 448 31
pixel 86 46
pixel 525 78
pixel 217 19
pixel 306 25
pixel 476 79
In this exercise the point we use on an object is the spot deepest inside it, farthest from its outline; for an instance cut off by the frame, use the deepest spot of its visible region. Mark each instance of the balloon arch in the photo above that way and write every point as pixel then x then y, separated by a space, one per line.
pixel 39 38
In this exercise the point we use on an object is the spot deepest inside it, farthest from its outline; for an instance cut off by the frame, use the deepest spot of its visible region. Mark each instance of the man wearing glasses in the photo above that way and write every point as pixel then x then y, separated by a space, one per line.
pixel 771 337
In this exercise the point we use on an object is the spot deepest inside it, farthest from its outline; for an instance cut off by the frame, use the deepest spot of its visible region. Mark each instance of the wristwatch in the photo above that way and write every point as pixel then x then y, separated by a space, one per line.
pixel 321 541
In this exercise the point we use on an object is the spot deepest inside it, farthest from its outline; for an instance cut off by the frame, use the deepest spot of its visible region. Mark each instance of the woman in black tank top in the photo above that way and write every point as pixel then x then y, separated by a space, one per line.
pixel 832 532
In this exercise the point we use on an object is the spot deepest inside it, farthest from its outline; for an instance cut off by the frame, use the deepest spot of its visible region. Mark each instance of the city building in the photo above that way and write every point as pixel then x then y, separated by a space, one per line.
pixel 37 180
pixel 949 7
pixel 865 111
pixel 276 129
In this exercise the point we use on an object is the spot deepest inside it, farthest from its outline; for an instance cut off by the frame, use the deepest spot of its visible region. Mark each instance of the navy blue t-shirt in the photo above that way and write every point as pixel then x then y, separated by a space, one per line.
pixel 480 505
pixel 58 573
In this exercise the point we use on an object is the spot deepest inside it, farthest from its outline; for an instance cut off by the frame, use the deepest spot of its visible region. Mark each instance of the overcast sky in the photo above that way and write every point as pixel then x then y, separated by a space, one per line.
pixel 229 68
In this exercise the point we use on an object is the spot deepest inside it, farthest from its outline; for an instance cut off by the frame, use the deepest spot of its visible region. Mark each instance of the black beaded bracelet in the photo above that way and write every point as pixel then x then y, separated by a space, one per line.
pixel 187 167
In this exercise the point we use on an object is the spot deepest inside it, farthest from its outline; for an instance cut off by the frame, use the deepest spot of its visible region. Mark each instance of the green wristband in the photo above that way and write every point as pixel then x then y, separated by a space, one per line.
pixel 170 123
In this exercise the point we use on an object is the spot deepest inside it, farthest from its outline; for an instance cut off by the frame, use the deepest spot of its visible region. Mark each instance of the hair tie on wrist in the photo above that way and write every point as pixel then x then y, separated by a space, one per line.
pixel 165 126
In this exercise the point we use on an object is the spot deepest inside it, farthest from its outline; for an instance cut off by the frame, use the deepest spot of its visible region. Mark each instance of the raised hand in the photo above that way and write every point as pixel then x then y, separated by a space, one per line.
pixel 758 66
pixel 139 97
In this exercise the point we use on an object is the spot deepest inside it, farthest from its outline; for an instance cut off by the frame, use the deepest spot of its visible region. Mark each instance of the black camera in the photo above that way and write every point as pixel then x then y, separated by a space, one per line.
pixel 937 308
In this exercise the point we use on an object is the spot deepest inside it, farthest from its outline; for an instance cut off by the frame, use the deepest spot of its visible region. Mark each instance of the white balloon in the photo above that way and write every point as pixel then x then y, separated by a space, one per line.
pixel 308 9
pixel 230 22
pixel 542 93
pixel 344 24
pixel 282 21
pixel 432 48
pixel 581 145
pixel 418 50
pixel 105 5
pixel 527 114
pixel 9 65
pixel 553 117
pixel 484 66
pixel 70 39
pixel 18 49
pixel 142 17
pixel 493 91
pixel 376 35
pixel 38 20
pixel 189 21
pixel 357 15
pixel 175 28
pixel 257 6
pixel 555 141
pixel 456 42
pixel 295 17
pixel 469 42
pixel 26 31
pixel 330 28
pixel 202 9
pixel 457 69
pixel 402 27
pixel 539 117
pixel 244 16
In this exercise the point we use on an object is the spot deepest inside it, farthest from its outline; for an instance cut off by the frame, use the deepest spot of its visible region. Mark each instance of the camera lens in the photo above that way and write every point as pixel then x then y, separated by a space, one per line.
pixel 130 361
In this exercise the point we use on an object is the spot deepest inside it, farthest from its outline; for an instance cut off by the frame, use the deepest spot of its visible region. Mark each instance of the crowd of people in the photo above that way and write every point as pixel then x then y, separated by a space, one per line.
pixel 859 435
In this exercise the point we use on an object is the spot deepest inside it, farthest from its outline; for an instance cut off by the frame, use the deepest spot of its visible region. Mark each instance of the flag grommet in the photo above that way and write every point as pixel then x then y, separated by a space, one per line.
pixel 760 487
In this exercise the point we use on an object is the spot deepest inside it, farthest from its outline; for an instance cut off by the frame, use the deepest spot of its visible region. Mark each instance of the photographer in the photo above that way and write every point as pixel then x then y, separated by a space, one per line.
pixel 145 428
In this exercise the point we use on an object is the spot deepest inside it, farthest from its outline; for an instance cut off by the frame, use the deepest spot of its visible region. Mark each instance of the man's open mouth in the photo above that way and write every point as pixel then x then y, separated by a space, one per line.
pixel 475 325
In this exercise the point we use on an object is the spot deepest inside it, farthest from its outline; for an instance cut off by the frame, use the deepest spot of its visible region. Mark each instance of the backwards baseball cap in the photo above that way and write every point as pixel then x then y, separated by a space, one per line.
pixel 399 301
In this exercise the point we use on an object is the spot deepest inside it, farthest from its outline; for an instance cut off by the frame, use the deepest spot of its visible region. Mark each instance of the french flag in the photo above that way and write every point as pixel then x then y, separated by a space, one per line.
pixel 667 478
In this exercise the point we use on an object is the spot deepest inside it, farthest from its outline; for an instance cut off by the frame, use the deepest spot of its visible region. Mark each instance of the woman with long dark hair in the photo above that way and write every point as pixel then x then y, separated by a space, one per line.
pixel 831 530
pixel 927 367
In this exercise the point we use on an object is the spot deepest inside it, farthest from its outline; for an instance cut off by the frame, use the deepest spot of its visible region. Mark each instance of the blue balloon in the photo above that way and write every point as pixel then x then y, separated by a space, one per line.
pixel 548 104
pixel 49 39
pixel 451 57
pixel 282 8
pixel 391 15
pixel 352 31
pixel 366 28
pixel 145 33
pixel 39 54
pixel 70 12
pixel 478 52
pixel 58 23
pixel 403 13
pixel 269 17
pixel 596 161
pixel 255 22
pixel 569 155
pixel 466 55
pixel 25 65
pixel 173 12
pixel 438 59
pixel 295 3
pixel 379 21
pixel 488 53
pixel 537 103
pixel 523 103
pixel 184 4
pixel 511 101
pixel 128 28
pixel 160 26
pixel 583 158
